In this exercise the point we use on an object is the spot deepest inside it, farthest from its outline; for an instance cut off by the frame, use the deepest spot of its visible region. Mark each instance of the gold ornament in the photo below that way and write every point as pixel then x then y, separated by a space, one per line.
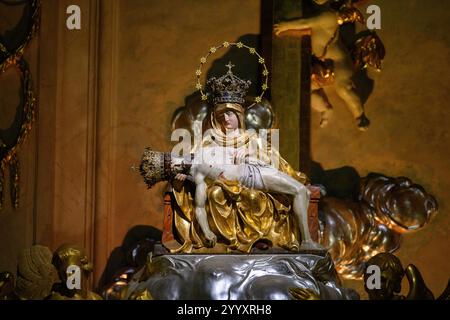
pixel 8 153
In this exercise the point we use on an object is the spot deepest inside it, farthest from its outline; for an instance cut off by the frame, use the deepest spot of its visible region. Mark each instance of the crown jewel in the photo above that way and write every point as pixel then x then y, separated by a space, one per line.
pixel 229 88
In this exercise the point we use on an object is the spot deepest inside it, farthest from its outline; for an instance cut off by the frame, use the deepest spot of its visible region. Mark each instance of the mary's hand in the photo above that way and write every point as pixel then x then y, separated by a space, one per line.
pixel 180 177
pixel 240 156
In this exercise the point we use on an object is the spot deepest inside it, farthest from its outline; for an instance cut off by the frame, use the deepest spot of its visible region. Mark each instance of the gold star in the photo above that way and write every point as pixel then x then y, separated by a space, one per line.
pixel 198 86
pixel 213 49
pixel 198 72
pixel 258 99
pixel 252 50
pixel 264 86
pixel 203 60
pixel 226 44
pixel 265 72
pixel 261 60
pixel 204 97
pixel 239 45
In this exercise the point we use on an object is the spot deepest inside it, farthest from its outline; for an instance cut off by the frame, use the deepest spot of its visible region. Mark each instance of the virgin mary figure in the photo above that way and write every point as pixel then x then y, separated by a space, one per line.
pixel 249 204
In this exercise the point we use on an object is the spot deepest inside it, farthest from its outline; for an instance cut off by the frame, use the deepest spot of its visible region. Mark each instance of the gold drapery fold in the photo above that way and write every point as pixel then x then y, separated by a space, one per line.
pixel 239 217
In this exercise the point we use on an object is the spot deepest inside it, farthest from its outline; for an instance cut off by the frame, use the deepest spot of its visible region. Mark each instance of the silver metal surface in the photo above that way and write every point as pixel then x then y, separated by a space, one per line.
pixel 260 116
pixel 239 277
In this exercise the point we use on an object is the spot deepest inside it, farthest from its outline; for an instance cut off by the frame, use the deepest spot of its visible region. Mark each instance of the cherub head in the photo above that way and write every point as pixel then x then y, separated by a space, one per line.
pixel 68 255
pixel 391 276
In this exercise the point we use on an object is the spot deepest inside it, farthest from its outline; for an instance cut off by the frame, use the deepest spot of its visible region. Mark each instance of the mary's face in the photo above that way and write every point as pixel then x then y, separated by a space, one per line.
pixel 230 120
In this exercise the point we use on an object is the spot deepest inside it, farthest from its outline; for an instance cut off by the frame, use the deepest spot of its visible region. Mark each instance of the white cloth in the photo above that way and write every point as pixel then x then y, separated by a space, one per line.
pixel 251 177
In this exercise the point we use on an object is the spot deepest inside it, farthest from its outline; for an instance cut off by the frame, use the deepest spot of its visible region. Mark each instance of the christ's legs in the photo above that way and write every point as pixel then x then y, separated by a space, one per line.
pixel 274 181
pixel 200 172
pixel 282 183
pixel 200 212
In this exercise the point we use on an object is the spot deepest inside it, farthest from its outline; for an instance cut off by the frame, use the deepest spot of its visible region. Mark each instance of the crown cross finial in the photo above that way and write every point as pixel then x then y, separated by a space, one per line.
pixel 229 66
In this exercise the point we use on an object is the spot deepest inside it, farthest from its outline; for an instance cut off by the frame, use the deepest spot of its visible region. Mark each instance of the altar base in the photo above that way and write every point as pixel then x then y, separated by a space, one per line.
pixel 239 277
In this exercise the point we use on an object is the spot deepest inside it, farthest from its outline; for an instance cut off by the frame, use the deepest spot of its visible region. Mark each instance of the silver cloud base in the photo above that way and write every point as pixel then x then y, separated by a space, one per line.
pixel 239 277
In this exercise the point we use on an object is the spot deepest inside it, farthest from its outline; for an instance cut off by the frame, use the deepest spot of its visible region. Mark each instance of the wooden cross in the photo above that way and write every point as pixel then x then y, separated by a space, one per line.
pixel 288 57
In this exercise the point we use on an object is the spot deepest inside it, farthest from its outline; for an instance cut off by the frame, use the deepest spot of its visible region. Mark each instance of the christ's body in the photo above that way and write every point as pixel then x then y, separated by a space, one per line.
pixel 237 164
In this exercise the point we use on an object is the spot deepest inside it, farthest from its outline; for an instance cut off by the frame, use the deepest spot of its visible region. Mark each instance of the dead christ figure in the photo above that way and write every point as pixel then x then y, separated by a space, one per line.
pixel 221 160
pixel 231 155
